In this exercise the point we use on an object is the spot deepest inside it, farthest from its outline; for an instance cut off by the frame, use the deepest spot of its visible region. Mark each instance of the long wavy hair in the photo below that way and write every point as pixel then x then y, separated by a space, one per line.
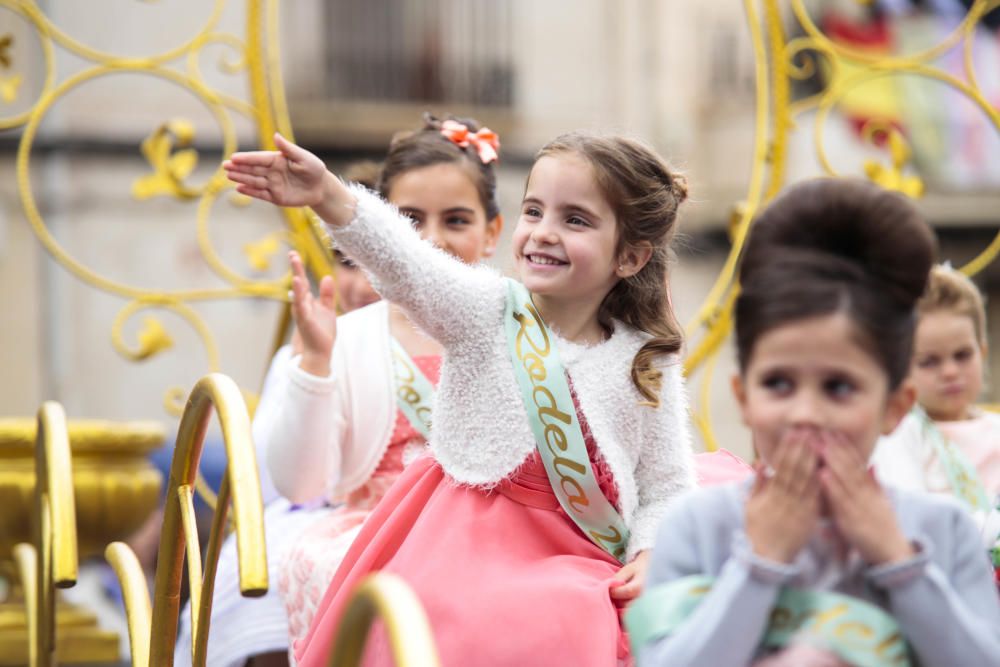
pixel 644 193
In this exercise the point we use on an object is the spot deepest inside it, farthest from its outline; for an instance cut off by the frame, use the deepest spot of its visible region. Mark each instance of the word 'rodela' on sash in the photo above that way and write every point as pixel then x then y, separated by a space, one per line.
pixel 552 417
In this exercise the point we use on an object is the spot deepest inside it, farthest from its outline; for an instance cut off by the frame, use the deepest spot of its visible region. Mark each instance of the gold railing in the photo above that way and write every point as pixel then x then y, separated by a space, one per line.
pixel 153 627
pixel 50 560
pixel 387 597
pixel 779 62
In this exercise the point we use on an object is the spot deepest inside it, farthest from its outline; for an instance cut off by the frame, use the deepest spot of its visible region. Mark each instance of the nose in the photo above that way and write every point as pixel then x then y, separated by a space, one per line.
pixel 433 231
pixel 949 368
pixel 544 233
pixel 805 411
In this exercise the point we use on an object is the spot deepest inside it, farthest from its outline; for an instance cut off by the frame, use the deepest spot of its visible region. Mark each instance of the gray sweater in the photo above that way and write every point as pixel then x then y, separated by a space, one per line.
pixel 944 599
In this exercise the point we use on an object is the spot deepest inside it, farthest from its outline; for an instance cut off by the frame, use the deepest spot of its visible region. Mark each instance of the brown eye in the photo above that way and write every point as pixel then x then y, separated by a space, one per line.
pixel 839 387
pixel 777 383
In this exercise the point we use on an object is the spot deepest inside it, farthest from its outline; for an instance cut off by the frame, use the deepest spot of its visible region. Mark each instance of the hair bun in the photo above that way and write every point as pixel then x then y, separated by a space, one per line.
pixel 679 186
pixel 843 227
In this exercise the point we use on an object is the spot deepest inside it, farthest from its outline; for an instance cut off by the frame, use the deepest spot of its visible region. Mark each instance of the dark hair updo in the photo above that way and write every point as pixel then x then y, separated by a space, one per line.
pixel 832 246
pixel 427 147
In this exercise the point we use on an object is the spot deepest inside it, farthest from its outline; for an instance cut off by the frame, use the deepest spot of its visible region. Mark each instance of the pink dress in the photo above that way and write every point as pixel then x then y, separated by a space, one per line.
pixel 979 440
pixel 505 576
pixel 315 556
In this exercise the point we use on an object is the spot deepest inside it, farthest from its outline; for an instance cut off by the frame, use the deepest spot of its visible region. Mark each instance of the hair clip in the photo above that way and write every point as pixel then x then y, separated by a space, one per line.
pixel 485 141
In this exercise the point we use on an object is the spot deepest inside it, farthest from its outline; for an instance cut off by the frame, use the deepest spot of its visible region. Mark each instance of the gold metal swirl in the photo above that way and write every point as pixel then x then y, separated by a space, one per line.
pixel 779 61
pixel 388 597
pixel 172 158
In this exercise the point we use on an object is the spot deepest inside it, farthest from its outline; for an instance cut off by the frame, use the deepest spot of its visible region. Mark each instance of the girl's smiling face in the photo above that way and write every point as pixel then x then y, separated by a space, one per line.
pixel 814 374
pixel 445 207
pixel 565 240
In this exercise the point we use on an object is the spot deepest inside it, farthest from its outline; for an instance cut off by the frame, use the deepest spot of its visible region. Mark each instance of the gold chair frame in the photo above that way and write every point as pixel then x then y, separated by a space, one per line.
pixel 50 561
pixel 388 597
pixel 153 627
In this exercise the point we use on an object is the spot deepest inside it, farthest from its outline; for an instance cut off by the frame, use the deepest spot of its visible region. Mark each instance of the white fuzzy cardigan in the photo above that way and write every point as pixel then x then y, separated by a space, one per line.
pixel 481 433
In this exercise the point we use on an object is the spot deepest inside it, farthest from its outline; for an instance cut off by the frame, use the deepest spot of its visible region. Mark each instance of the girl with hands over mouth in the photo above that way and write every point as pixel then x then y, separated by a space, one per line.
pixel 560 431
pixel 813 562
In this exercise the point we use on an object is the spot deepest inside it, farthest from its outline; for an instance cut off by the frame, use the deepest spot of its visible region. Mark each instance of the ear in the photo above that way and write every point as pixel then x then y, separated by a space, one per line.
pixel 898 405
pixel 633 258
pixel 740 392
pixel 493 229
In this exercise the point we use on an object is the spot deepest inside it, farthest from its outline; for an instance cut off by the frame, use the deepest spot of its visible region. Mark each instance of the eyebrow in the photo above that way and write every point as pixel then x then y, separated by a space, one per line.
pixel 453 209
pixel 569 207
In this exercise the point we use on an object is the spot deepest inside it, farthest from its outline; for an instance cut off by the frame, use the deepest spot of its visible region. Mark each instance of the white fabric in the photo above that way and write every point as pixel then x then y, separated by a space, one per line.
pixel 244 627
pixel 481 433
pixel 906 460
pixel 320 436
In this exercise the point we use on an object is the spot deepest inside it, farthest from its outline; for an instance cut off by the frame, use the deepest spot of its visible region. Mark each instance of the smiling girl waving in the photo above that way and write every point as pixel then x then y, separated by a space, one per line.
pixel 560 429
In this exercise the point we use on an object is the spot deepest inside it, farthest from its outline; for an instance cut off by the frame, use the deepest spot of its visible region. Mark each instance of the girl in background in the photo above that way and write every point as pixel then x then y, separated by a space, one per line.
pixel 946 444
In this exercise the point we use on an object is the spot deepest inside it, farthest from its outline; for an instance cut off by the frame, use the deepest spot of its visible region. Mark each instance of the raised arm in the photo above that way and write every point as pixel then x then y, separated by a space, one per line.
pixel 303 428
pixel 306 428
pixel 450 300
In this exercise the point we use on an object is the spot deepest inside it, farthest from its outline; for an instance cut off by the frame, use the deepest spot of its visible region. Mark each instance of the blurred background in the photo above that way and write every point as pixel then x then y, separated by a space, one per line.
pixel 127 271
pixel 679 74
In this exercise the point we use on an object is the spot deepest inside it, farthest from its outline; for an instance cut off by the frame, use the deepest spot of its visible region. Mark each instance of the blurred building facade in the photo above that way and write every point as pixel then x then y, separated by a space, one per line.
pixel 677 74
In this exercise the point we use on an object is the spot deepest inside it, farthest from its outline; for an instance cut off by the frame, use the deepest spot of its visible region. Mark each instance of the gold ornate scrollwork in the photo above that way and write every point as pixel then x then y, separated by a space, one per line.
pixel 9 85
pixel 780 61
pixel 173 158
pixel 172 162
pixel 892 177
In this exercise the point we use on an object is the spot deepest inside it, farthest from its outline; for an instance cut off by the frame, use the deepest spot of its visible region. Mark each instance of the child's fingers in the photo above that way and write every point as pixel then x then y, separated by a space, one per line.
pixel 759 478
pixel 256 193
pixel 789 461
pixel 301 300
pixel 250 158
pixel 835 492
pixel 298 270
pixel 803 470
pixel 845 464
pixel 243 178
pixel 628 590
pixel 327 292
pixel 288 148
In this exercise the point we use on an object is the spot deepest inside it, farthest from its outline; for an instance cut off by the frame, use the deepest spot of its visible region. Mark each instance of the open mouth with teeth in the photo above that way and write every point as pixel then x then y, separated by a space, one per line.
pixel 545 260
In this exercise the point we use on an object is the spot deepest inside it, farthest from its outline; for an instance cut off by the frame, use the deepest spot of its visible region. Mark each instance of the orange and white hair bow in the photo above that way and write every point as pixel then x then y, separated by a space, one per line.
pixel 485 141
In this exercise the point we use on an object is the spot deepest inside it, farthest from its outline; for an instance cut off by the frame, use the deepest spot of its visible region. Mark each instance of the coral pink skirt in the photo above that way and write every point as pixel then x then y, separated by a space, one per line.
pixel 506 577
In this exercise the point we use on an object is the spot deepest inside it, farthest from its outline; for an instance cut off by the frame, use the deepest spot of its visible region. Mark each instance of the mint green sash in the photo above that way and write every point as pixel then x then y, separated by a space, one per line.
pixel 414 392
pixel 962 475
pixel 858 632
pixel 552 416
